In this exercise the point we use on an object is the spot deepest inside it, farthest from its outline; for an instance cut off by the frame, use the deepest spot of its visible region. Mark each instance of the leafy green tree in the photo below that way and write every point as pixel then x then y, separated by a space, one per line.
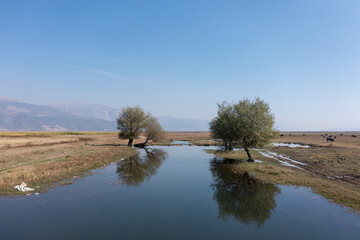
pixel 246 124
pixel 131 122
pixel 224 125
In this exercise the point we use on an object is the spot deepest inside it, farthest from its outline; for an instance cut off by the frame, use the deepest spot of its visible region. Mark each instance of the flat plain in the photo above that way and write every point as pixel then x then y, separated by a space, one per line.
pixel 45 159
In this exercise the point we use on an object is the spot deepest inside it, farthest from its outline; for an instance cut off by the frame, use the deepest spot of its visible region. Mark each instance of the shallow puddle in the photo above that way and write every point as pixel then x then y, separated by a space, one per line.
pixel 286 161
pixel 291 145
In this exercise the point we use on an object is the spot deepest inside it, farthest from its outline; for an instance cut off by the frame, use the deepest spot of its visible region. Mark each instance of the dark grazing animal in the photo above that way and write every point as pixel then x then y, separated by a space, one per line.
pixel 330 139
pixel 354 136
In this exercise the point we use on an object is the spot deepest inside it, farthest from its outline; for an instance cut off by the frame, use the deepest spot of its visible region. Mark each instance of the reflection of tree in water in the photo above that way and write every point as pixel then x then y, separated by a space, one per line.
pixel 134 170
pixel 241 196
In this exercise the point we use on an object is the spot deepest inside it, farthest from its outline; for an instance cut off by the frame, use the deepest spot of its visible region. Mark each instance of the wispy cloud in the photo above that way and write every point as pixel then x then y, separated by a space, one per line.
pixel 47 54
pixel 91 70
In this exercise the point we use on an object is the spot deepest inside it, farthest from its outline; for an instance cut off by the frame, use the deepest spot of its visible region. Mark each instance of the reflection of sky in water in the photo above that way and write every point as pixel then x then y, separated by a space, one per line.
pixel 180 198
pixel 180 142
pixel 291 145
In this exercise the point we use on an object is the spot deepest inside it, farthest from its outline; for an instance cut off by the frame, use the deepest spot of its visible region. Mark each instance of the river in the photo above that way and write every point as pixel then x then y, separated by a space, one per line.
pixel 174 192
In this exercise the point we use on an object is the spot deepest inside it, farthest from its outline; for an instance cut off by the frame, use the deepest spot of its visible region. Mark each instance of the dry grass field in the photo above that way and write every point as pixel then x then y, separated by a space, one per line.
pixel 44 159
pixel 186 136
pixel 29 141
pixel 343 139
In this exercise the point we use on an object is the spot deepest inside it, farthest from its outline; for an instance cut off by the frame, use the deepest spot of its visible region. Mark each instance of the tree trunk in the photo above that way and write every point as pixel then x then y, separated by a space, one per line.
pixel 249 155
pixel 130 142
pixel 228 146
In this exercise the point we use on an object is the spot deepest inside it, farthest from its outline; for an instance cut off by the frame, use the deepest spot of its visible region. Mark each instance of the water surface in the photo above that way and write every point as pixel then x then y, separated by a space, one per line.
pixel 176 192
pixel 290 145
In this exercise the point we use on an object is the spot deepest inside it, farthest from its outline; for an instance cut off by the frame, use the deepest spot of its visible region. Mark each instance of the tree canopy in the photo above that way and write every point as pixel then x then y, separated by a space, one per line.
pixel 133 121
pixel 245 124
pixel 153 130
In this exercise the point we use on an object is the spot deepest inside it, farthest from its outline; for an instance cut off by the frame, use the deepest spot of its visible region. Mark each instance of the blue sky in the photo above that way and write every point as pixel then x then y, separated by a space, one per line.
pixel 180 58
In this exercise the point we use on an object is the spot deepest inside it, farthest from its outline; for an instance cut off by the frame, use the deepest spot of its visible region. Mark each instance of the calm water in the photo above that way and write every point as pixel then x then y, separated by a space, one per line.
pixel 177 192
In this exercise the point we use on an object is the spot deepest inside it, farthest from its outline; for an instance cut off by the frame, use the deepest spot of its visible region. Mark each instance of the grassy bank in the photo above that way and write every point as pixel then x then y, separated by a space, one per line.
pixel 48 160
pixel 337 190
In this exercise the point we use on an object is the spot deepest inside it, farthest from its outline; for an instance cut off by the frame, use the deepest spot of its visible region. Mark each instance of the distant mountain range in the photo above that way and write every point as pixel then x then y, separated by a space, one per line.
pixel 88 110
pixel 18 116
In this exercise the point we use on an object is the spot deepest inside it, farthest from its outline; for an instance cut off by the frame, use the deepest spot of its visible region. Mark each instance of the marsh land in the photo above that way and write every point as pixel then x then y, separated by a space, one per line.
pixel 46 159
pixel 172 191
